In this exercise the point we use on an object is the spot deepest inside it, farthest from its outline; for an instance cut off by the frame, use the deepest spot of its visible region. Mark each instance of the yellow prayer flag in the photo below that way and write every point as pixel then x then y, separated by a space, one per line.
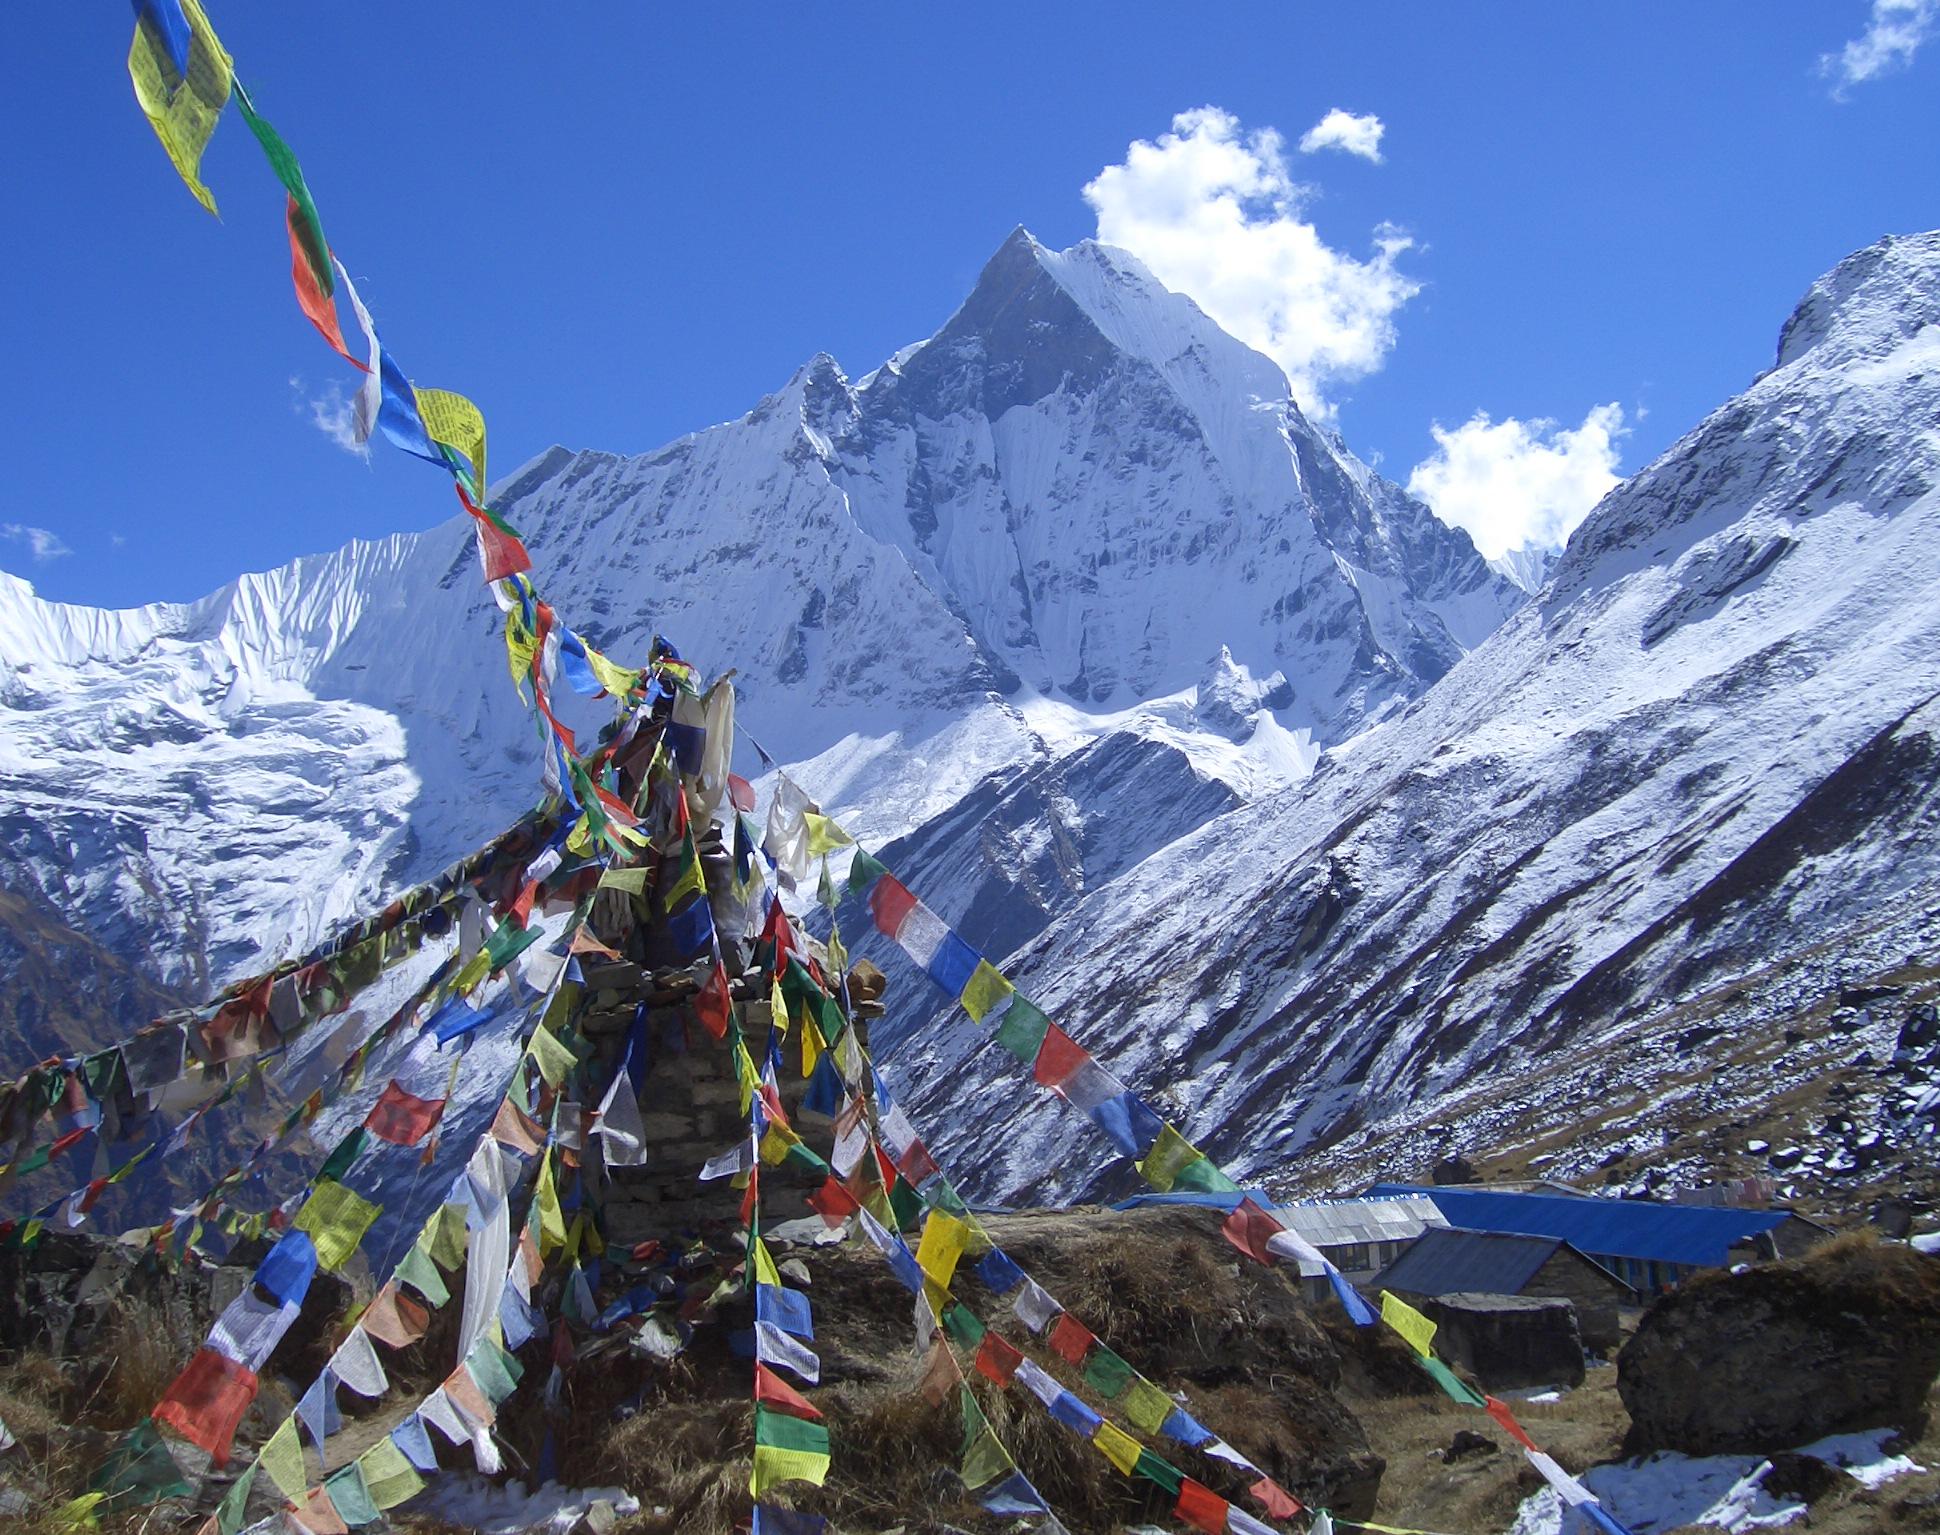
pixel 554 1059
pixel 745 1074
pixel 778 1008
pixel 389 1474
pixel 616 679
pixel 472 974
pixel 812 1047
pixel 765 1271
pixel 776 1142
pixel 336 1219
pixel 1146 1405
pixel 521 645
pixel 1410 1323
pixel 689 879
pixel 944 1237
pixel 986 991
pixel 633 881
pixel 1119 1447
pixel 824 836
pixel 773 1466
pixel 1169 1153
pixel 552 1219
pixel 282 1458
pixel 457 423
pixel 182 112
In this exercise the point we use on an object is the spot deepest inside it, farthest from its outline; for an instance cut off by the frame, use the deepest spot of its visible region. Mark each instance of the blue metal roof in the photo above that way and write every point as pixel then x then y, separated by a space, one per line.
pixel 1700 1236
pixel 1444 1261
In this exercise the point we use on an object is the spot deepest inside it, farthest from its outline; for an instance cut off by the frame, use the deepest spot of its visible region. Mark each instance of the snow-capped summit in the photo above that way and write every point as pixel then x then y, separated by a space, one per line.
pixel 1702 757
pixel 1016 537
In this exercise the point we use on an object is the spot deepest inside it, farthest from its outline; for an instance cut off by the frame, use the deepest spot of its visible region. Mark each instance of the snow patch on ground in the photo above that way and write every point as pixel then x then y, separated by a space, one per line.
pixel 1667 1491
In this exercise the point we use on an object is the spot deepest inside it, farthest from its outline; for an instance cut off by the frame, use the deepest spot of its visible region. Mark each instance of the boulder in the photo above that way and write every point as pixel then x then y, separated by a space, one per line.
pixel 1774 1357
pixel 1508 1341
pixel 1452 1170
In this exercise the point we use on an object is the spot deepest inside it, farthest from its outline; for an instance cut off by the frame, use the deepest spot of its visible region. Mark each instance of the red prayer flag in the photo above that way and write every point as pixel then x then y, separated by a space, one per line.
pixel 917 1163
pixel 1500 1412
pixel 310 297
pixel 1249 1228
pixel 393 1318
pixel 1071 1339
pixel 1058 1057
pixel 996 1359
pixel 714 1006
pixel 402 1118
pixel 740 793
pixel 503 554
pixel 1201 1507
pixel 513 1127
pixel 889 902
pixel 1275 1499
pixel 833 1202
pixel 770 1390
pixel 320 1516
pixel 206 1402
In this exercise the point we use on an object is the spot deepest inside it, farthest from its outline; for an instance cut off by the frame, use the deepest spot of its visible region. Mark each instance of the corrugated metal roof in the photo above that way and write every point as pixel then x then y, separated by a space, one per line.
pixel 1443 1262
pixel 1342 1222
pixel 1699 1236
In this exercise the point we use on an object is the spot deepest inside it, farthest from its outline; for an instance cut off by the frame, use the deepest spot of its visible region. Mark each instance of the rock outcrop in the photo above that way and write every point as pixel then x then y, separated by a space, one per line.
pixel 1781 1355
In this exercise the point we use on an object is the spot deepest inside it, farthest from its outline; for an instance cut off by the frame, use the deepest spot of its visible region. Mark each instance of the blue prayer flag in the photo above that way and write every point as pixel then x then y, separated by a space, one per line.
pixel 999 1273
pixel 1131 1125
pixel 786 1521
pixel 1012 1497
pixel 787 1309
pixel 692 927
pixel 953 963
pixel 173 28
pixel 410 1437
pixel 824 1095
pixel 1073 1414
pixel 285 1274
pixel 1183 1427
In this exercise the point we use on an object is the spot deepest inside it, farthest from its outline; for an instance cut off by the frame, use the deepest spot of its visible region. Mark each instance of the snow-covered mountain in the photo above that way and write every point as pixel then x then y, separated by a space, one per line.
pixel 1079 509
pixel 1704 753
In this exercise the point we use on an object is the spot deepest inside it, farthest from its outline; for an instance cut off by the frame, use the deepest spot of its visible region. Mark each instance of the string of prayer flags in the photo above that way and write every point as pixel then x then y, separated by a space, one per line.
pixel 183 101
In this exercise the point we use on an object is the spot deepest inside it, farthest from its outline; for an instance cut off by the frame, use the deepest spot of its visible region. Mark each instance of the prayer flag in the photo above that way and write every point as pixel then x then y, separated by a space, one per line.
pixel 288 1267
pixel 350 1496
pixel 772 1346
pixel 1201 1507
pixel 1146 1406
pixel 1013 1497
pixel 1108 1374
pixel 784 1308
pixel 944 1238
pixel 1117 1446
pixel 987 993
pixel 393 1318
pixel 1023 1029
pixel 403 1118
pixel 1249 1228
pixel 1457 1389
pixel 1071 1339
pixel 282 1457
pixel 389 1476
pixel 864 871
pixel 997 1360
pixel 1500 1412
pixel 889 903
pixel 787 1449
pixel 1415 1328
pixel 1170 1153
pixel 824 836
pixel 1074 1414
pixel 1058 1056
pixel 999 1273
pixel 183 105
pixel 1275 1499
pixel 770 1390
pixel 206 1402
pixel 769 1520
pixel 336 1220
pixel 457 423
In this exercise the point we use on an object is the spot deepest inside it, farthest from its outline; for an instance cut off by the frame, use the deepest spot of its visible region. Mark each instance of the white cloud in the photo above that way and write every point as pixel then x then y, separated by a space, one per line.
pixel 331 413
pixel 1347 133
pixel 1894 35
pixel 42 544
pixel 1214 213
pixel 1515 483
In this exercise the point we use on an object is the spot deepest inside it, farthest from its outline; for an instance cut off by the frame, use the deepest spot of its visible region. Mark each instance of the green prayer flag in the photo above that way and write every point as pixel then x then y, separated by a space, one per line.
pixel 864 871
pixel 346 1152
pixel 905 1204
pixel 229 1512
pixel 1457 1388
pixel 961 1323
pixel 351 1495
pixel 1155 1470
pixel 781 1431
pixel 1023 1029
pixel 316 250
pixel 139 1469
pixel 487 1365
pixel 508 941
pixel 1204 1177
pixel 1108 1374
pixel 421 1274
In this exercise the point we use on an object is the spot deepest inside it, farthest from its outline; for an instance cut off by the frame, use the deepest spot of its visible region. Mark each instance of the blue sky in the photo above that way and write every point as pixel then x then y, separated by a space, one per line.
pixel 611 224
